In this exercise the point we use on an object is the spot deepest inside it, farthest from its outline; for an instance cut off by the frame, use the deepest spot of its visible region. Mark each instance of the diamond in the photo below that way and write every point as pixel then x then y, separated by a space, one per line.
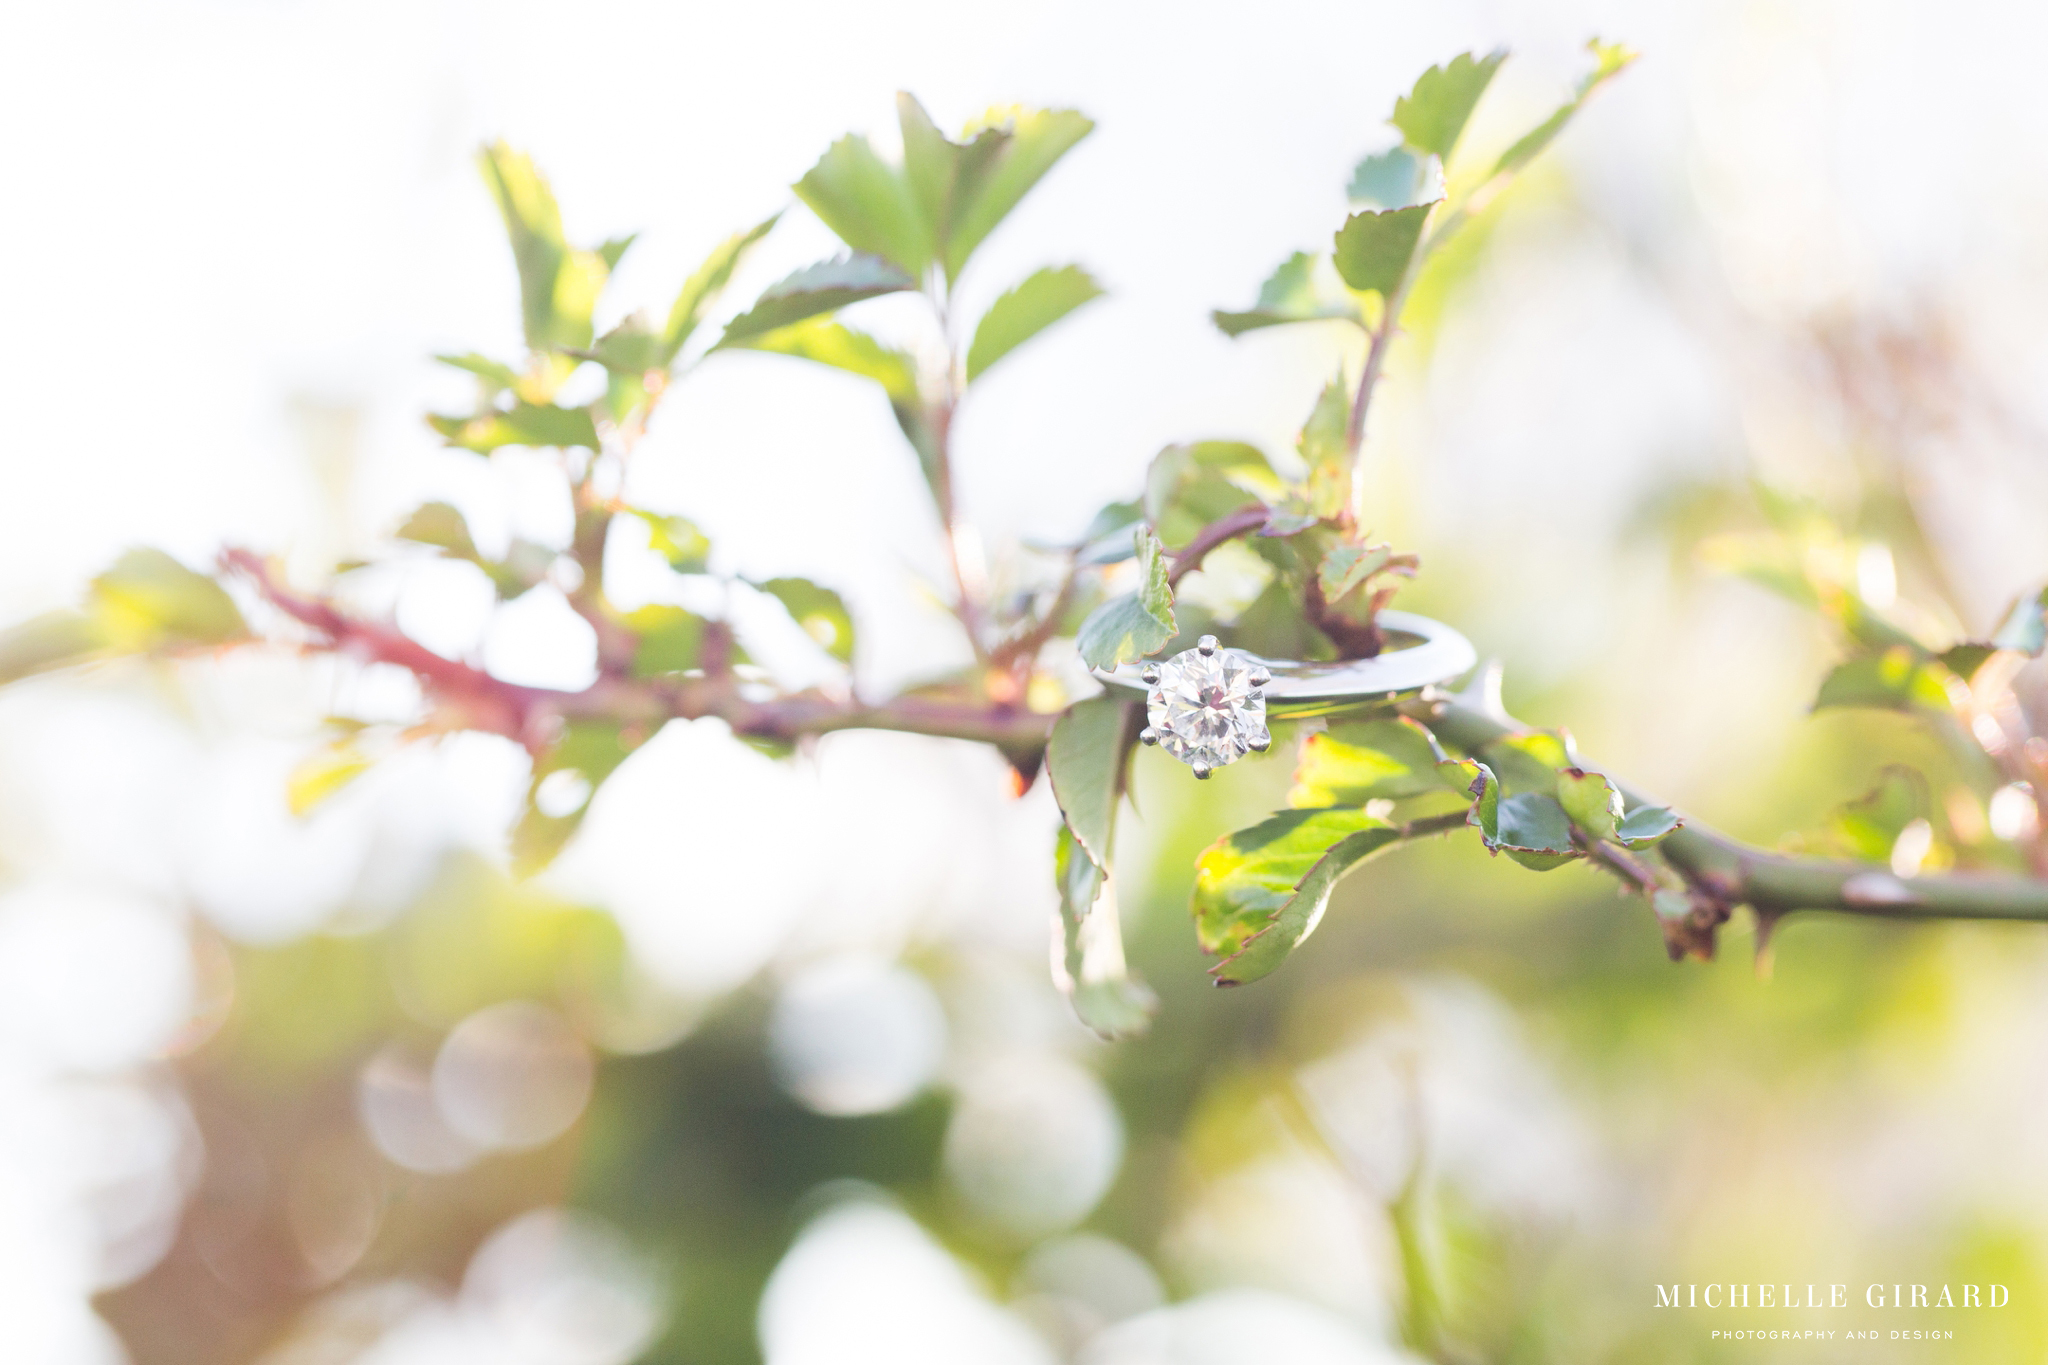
pixel 1206 710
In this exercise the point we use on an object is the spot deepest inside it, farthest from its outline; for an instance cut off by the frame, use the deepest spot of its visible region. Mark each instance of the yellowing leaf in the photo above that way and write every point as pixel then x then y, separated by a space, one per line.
pixel 53 640
pixel 1352 764
pixel 322 775
pixel 148 598
pixel 1259 893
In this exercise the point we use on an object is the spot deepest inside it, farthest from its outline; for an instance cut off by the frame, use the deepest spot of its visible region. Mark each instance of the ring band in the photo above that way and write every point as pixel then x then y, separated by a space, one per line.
pixel 1420 653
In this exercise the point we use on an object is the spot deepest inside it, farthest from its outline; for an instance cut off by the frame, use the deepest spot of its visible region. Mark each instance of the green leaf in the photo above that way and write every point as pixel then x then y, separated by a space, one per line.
pixel 148 599
pixel 54 640
pixel 835 344
pixel 1965 659
pixel 613 248
pixel 1091 969
pixel 1084 762
pixel 1261 891
pixel 1898 679
pixel 869 204
pixel 821 288
pixel 931 164
pixel 1396 179
pixel 631 348
pixel 1189 486
pixel 1534 830
pixel 1349 765
pixel 1609 59
pixel 439 524
pixel 1530 760
pixel 1647 825
pixel 497 377
pixel 703 287
pixel 1478 781
pixel 1325 449
pixel 1108 537
pixel 1244 879
pixel 1274 626
pixel 671 640
pixel 544 424
pixel 1433 114
pixel 558 284
pixel 676 539
pixel 591 751
pixel 1136 624
pixel 993 182
pixel 1591 801
pixel 527 424
pixel 1531 827
pixel 1080 880
pixel 945 176
pixel 533 222
pixel 1348 564
pixel 1041 300
pixel 820 611
pixel 1374 247
pixel 1304 289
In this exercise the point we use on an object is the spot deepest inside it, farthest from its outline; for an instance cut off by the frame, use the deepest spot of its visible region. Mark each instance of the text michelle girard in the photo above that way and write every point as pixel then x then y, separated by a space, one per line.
pixel 1831 1296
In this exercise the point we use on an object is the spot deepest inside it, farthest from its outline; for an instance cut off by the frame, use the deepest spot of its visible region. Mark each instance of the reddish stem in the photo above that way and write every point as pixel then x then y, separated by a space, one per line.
pixel 475 700
pixel 1243 521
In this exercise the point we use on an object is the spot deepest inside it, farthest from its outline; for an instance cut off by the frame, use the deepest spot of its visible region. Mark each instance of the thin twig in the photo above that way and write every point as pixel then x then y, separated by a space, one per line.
pixel 472 699
pixel 1243 521
pixel 1635 874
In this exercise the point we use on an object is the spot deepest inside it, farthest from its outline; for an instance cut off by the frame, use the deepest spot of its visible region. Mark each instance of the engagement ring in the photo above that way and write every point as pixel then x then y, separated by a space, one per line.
pixel 1209 705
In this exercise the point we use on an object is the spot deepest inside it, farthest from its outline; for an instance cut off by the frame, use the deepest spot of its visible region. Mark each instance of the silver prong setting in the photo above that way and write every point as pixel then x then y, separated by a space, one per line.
pixel 1201 771
pixel 1150 673
pixel 1260 742
pixel 1261 675
pixel 1148 736
pixel 1207 645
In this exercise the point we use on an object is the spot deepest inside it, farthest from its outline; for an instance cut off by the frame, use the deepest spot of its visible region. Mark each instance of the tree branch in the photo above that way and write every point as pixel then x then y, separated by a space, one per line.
pixel 1732 873
pixel 532 716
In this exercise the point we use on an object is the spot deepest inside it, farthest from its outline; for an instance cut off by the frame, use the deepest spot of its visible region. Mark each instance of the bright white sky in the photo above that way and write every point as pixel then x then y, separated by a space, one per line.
pixel 225 216
pixel 230 218
pixel 235 232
